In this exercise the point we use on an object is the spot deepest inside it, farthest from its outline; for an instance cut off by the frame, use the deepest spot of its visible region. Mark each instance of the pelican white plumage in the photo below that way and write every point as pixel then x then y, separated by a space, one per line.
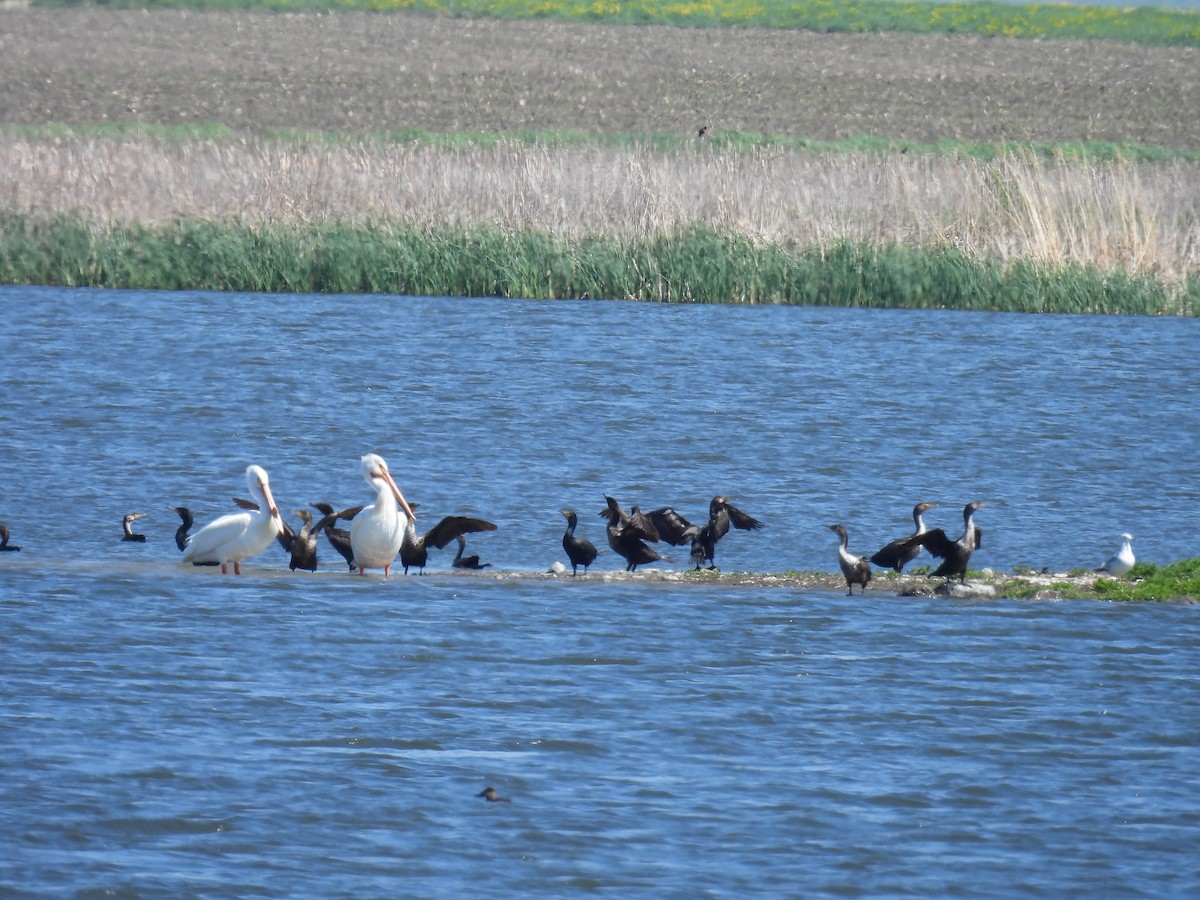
pixel 234 537
pixel 1122 561
pixel 377 532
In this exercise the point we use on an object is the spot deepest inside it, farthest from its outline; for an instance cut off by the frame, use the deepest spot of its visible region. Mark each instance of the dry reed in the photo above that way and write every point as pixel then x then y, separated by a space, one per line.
pixel 1142 218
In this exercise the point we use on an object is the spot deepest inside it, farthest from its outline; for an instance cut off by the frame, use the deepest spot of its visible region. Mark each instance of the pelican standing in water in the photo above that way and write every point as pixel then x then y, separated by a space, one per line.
pixel 234 537
pixel 377 532
pixel 1119 564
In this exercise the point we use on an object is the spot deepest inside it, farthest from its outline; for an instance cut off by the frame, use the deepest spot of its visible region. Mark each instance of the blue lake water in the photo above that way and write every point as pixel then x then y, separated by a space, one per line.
pixel 168 731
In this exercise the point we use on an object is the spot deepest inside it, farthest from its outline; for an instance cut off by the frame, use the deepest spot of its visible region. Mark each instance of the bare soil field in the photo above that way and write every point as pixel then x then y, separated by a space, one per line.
pixel 361 72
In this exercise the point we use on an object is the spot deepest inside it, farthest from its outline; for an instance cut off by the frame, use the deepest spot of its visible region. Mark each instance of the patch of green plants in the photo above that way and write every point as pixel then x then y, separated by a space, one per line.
pixel 1145 581
pixel 1148 25
pixel 692 266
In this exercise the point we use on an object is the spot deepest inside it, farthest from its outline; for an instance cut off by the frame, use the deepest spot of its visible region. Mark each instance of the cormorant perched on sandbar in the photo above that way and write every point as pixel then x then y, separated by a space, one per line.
pixel 4 544
pixel 181 534
pixel 675 529
pixel 339 538
pixel 899 553
pixel 1122 561
pixel 580 551
pixel 127 525
pixel 955 554
pixel 302 544
pixel 856 568
pixel 466 562
pixel 414 550
pixel 627 535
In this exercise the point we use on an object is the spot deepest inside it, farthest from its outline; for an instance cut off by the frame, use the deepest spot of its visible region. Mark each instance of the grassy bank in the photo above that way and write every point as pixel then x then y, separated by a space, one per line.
pixel 691 266
pixel 1147 25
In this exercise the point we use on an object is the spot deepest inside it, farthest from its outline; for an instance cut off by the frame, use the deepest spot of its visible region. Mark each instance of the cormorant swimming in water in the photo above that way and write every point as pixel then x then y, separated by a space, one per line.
pixel 580 551
pixel 856 568
pixel 626 534
pixel 4 544
pixel 414 550
pixel 1122 561
pixel 127 525
pixel 491 795
pixel 675 529
pixel 899 552
pixel 954 554
pixel 466 562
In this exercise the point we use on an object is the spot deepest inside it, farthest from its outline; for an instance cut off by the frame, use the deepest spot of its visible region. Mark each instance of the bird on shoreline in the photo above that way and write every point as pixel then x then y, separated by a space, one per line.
pixel 237 536
pixel 899 553
pixel 856 568
pixel 339 538
pixel 580 551
pixel 466 562
pixel 4 544
pixel 127 527
pixel 1119 564
pixel 675 529
pixel 628 533
pixel 301 545
pixel 414 549
pixel 377 532
pixel 955 554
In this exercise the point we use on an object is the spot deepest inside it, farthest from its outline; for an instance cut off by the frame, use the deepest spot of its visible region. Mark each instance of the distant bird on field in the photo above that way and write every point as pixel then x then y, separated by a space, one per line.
pixel 900 552
pixel 127 526
pixel 702 132
pixel 1122 561
pixel 856 568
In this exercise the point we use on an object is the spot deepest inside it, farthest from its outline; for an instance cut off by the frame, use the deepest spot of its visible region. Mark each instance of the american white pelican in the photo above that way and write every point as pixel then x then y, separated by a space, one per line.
pixel 377 532
pixel 1122 561
pixel 234 537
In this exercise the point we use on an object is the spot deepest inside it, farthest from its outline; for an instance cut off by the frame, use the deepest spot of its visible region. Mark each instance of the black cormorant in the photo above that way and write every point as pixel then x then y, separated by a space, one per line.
pixel 4 544
pixel 675 529
pixel 414 550
pixel 339 538
pixel 466 562
pixel 127 526
pixel 491 795
pixel 856 568
pixel 954 554
pixel 580 551
pixel 900 552
pixel 627 535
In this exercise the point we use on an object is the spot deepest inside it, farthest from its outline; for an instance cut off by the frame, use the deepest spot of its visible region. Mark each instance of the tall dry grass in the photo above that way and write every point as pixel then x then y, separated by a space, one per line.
pixel 1142 218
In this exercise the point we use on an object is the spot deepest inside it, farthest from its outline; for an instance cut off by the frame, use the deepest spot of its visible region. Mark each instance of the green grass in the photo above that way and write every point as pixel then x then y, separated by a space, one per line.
pixel 1147 25
pixel 662 142
pixel 1149 582
pixel 694 266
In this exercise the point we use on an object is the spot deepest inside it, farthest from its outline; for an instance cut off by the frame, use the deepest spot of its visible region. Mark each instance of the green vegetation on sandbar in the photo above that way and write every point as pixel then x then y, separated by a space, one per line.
pixel 1146 25
pixel 694 266
pixel 1147 581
